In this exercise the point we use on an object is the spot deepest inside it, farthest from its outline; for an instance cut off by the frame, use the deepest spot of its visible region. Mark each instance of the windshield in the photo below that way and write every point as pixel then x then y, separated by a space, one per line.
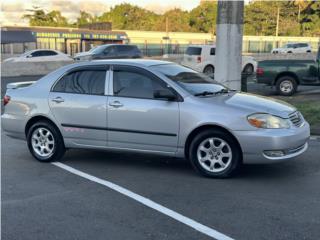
pixel 26 53
pixel 192 81
pixel 98 49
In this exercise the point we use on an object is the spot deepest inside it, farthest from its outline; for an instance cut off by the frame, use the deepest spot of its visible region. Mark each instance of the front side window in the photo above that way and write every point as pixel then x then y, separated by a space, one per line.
pixel 194 82
pixel 49 53
pixel 37 54
pixel 82 82
pixel 129 82
pixel 213 51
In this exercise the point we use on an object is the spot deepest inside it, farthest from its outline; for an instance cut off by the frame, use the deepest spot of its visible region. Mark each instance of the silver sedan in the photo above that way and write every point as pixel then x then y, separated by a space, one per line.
pixel 155 107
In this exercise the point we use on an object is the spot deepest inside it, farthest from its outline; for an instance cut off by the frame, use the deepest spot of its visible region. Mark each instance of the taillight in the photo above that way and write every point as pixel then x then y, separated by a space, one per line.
pixel 6 100
pixel 199 59
pixel 260 71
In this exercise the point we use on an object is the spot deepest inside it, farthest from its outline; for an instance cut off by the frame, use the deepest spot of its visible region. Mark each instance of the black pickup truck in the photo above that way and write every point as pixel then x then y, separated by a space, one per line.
pixel 287 74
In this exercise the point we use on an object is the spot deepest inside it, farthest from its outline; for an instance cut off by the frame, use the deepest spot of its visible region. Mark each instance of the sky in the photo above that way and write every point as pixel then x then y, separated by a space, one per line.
pixel 12 10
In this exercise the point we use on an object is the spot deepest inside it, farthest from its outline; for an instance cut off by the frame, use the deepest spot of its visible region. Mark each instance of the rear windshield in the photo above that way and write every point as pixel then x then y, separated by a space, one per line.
pixel 193 51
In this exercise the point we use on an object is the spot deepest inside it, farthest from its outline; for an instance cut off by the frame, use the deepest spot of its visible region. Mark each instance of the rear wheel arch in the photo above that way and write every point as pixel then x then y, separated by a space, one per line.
pixel 39 118
pixel 203 128
pixel 208 66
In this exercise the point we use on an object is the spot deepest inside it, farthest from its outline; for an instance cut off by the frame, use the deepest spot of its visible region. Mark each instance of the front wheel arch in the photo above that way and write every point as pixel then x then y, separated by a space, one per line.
pixel 203 128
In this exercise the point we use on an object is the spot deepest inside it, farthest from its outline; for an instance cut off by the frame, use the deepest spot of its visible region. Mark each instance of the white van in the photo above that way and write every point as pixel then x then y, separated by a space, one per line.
pixel 202 59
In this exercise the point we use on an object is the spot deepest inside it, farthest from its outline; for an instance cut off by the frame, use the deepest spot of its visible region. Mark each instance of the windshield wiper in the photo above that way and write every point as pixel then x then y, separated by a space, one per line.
pixel 223 90
pixel 204 93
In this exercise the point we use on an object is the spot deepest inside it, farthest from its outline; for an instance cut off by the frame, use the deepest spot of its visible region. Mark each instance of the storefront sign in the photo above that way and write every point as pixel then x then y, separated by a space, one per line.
pixel 80 35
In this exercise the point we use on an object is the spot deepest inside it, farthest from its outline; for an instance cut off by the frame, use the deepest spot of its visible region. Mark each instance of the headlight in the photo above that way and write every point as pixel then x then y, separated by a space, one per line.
pixel 264 120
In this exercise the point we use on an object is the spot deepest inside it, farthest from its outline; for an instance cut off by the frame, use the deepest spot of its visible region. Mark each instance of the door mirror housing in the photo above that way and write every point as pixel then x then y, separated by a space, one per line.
pixel 164 94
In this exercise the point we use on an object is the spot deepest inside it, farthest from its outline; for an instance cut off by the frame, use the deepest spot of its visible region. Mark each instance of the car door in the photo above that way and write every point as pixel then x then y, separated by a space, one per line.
pixel 109 53
pixel 78 103
pixel 136 120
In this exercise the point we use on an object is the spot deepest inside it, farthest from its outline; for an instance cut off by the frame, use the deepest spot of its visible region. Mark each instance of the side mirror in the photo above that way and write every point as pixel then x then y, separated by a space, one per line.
pixel 164 94
pixel 29 56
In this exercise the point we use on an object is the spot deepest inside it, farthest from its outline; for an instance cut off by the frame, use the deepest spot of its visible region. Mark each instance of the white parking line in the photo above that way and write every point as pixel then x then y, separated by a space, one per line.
pixel 147 202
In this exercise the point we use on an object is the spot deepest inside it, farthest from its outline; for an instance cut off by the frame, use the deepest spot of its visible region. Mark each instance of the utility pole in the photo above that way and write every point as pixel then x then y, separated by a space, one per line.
pixel 278 16
pixel 229 43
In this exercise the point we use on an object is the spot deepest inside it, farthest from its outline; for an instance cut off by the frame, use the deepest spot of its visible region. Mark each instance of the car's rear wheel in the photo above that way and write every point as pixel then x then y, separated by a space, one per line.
pixel 45 142
pixel 208 70
pixel 286 86
pixel 248 69
pixel 214 153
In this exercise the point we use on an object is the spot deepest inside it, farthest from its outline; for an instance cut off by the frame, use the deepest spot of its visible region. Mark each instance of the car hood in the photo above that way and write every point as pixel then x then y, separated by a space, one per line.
pixel 251 103
pixel 12 59
pixel 82 54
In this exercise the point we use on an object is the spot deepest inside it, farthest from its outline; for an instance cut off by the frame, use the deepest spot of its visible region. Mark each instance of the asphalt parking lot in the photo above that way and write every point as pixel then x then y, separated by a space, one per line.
pixel 44 201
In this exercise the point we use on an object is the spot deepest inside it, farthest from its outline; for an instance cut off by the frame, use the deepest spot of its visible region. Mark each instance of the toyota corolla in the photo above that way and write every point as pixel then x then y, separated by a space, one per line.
pixel 152 106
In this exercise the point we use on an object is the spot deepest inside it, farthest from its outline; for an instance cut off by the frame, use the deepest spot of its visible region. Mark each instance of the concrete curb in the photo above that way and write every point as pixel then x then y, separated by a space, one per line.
pixel 315 138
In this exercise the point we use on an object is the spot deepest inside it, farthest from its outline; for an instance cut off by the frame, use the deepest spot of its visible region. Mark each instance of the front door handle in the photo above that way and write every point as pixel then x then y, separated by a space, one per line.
pixel 116 104
pixel 58 100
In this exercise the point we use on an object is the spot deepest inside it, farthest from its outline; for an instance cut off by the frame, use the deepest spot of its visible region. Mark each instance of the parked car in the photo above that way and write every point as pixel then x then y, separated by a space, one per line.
pixel 110 51
pixel 293 48
pixel 155 107
pixel 287 74
pixel 40 55
pixel 202 59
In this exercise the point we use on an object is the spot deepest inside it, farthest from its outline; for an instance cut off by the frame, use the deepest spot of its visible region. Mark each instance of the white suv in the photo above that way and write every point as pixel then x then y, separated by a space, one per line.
pixel 293 48
pixel 202 59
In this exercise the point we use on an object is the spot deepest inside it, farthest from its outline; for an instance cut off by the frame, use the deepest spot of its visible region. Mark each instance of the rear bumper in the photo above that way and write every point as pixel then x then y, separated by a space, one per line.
pixel 257 145
pixel 13 126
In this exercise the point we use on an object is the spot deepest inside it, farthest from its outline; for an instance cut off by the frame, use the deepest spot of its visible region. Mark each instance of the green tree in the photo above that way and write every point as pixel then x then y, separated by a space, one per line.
pixel 38 17
pixel 130 17
pixel 310 21
pixel 85 18
pixel 178 21
pixel 203 17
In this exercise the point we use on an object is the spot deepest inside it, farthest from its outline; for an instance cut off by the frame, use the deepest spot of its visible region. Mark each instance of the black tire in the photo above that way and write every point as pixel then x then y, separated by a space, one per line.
pixel 208 70
pixel 289 52
pixel 308 51
pixel 236 159
pixel 58 148
pixel 248 69
pixel 286 79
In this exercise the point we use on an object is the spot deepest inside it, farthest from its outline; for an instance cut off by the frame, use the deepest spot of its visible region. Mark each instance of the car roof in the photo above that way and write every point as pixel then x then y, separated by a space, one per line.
pixel 133 62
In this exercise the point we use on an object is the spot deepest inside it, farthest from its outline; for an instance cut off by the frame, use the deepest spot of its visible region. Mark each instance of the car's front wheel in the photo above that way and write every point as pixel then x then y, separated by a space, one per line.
pixel 214 153
pixel 45 142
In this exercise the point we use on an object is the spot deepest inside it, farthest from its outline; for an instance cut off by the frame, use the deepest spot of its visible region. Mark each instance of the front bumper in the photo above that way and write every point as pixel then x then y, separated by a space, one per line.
pixel 255 144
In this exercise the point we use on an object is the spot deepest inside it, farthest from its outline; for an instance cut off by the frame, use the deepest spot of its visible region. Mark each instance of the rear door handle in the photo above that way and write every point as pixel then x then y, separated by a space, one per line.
pixel 58 100
pixel 116 104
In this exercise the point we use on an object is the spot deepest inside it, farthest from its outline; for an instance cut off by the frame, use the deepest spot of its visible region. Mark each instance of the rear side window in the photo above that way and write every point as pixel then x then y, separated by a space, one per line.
pixel 124 48
pixel 193 51
pixel 82 82
pixel 303 45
